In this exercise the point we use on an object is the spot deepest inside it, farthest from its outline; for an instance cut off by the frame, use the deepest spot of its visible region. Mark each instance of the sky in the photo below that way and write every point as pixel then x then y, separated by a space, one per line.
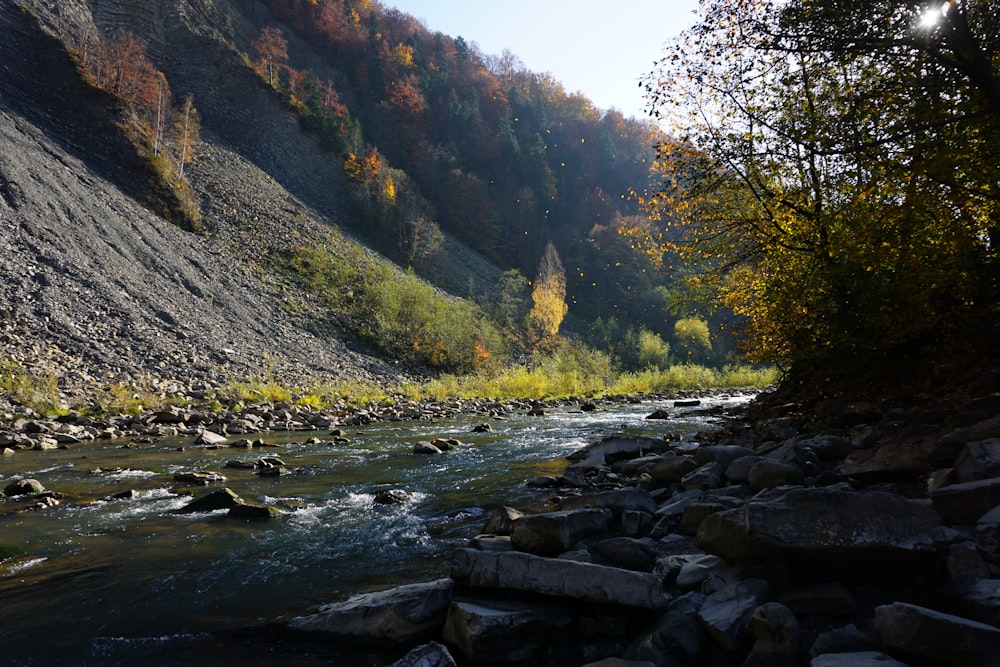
pixel 600 48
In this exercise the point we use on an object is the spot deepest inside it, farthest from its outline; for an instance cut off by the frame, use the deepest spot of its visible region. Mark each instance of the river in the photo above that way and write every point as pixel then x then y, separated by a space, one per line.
pixel 130 581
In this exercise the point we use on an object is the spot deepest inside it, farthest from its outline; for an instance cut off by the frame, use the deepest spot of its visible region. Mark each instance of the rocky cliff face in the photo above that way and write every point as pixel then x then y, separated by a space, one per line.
pixel 96 288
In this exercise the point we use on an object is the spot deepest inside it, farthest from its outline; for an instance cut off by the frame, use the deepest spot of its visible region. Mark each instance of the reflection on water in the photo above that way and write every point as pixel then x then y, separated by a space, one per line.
pixel 101 578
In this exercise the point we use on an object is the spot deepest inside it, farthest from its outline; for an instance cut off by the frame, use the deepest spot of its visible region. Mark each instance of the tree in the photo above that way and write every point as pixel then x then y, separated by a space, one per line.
pixel 549 297
pixel 272 49
pixel 839 185
pixel 693 339
pixel 187 135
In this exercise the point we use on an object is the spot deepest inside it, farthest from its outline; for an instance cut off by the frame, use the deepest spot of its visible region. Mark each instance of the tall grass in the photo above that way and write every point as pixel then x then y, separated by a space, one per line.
pixel 38 391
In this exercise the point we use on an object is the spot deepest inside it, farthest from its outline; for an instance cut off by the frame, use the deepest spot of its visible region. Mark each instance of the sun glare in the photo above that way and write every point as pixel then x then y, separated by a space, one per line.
pixel 933 15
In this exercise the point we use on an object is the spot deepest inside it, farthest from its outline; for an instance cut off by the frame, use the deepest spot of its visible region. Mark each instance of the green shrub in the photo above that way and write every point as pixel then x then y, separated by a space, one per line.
pixel 40 392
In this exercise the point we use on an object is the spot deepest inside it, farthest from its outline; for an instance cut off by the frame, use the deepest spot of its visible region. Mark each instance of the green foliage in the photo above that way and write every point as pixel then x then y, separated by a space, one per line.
pixel 415 322
pixel 404 316
pixel 694 342
pixel 40 392
pixel 510 309
pixel 653 352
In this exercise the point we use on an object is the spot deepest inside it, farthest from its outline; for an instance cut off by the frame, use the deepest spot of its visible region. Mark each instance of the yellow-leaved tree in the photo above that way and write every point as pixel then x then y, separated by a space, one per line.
pixel 549 298
pixel 834 166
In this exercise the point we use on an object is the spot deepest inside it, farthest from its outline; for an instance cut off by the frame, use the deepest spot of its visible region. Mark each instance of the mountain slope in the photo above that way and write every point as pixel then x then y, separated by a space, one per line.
pixel 96 288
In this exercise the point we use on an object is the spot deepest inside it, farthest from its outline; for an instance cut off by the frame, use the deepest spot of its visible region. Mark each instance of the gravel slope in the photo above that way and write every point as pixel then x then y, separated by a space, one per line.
pixel 95 288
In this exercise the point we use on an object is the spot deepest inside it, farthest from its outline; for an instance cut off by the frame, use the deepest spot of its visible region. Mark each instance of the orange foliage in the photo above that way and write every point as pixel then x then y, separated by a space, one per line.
pixel 406 95
pixel 366 169
pixel 272 48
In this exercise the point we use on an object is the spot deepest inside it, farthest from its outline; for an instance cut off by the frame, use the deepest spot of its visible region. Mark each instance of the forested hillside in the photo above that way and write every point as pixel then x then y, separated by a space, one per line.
pixel 368 179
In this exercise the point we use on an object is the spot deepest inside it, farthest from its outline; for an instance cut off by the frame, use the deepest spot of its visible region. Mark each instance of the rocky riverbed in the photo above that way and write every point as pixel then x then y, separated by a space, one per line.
pixel 823 534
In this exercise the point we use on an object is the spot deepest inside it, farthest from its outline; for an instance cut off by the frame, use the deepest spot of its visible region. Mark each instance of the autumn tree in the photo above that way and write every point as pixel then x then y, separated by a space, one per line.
pixel 548 295
pixel 834 165
pixel 272 49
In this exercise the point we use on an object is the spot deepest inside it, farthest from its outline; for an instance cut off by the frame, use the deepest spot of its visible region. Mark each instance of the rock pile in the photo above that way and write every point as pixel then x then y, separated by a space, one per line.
pixel 869 535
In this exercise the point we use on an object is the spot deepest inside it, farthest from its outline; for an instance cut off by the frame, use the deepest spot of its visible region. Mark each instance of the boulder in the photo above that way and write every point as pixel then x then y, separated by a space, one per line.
pixel 677 639
pixel 981 600
pixel 618 501
pixel 823 528
pixel 222 499
pixel 965 503
pixel 739 470
pixel 776 633
pixel 210 439
pixel 427 655
pixel 585 582
pixel 844 639
pixel 424 447
pixel 672 468
pixel 906 459
pixel 393 497
pixel 406 614
pixel 938 638
pixel 707 476
pixel 501 521
pixel 636 523
pixel 696 568
pixel 694 513
pixel 505 632
pixel 856 659
pixel 658 414
pixel 978 460
pixel 491 543
pixel 612 447
pixel 950 445
pixel 552 533
pixel 23 487
pixel 727 611
pixel 723 454
pixel 627 552
pixel 254 512
pixel 768 474
pixel 826 599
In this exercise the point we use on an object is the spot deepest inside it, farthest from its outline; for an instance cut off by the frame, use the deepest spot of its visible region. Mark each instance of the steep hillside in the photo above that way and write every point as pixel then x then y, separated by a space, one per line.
pixel 98 289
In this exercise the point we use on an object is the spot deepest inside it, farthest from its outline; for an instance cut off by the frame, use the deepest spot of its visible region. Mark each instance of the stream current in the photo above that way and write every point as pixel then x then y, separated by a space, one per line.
pixel 130 581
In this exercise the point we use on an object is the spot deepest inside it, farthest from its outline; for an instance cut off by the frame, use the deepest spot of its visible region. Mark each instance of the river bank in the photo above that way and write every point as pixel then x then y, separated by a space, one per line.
pixel 810 532
pixel 789 532
pixel 116 555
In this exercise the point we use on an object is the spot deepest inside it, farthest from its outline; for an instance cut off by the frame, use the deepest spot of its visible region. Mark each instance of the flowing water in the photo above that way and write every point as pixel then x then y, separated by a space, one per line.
pixel 129 581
